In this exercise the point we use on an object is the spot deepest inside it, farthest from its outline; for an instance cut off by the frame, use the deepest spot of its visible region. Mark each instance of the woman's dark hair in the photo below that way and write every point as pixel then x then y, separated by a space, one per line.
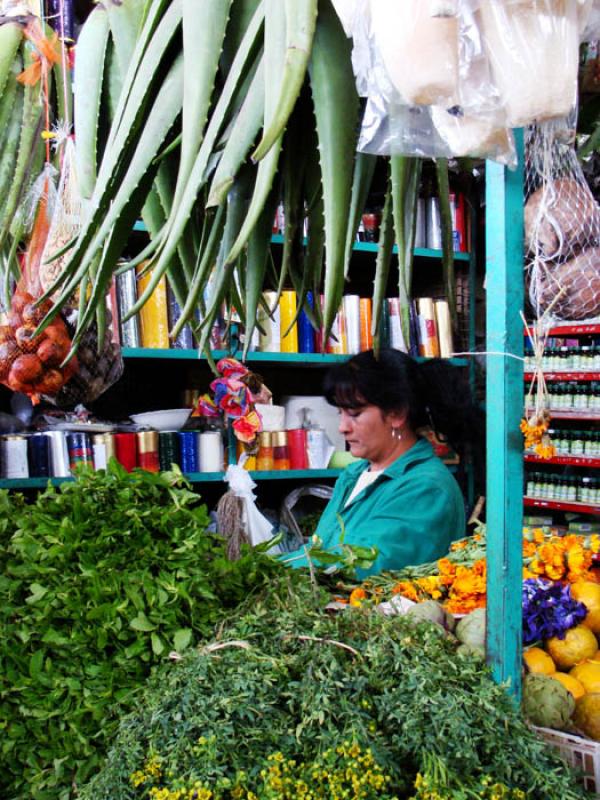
pixel 433 393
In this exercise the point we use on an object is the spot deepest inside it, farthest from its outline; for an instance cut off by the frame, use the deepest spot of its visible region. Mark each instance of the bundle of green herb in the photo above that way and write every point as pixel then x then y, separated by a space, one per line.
pixel 294 703
pixel 99 579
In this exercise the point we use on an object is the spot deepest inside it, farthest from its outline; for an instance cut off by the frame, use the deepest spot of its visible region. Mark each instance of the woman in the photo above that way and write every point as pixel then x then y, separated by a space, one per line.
pixel 400 497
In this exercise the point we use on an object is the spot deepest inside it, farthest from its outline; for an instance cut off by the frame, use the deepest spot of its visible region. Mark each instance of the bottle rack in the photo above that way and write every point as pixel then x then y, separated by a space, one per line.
pixel 578 465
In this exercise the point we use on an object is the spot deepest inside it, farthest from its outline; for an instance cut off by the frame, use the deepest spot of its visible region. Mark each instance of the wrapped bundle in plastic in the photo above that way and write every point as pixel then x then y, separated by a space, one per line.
pixel 418 42
pixel 447 107
pixel 562 228
pixel 533 49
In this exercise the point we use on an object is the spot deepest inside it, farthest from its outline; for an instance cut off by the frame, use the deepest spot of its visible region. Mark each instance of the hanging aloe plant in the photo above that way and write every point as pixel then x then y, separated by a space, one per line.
pixel 196 145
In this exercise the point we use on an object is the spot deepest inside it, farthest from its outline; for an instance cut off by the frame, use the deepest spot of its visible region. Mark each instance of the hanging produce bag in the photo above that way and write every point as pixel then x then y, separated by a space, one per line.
pixel 29 363
pixel 562 228
pixel 533 49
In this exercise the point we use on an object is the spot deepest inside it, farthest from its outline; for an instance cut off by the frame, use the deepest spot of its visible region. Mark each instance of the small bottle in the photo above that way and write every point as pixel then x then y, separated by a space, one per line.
pixel 572 490
pixel 264 459
pixel 584 490
pixel 537 486
pixel 530 486
pixel 281 460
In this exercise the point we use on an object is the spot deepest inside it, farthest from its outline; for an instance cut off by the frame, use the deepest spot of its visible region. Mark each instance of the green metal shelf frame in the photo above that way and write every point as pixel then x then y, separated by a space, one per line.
pixel 504 399
pixel 372 247
pixel 298 359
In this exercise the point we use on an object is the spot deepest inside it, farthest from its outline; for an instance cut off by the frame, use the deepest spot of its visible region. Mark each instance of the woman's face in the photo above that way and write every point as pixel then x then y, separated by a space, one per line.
pixel 368 432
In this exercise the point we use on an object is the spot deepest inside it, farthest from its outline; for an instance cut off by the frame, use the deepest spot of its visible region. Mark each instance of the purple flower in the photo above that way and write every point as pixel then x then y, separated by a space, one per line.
pixel 548 610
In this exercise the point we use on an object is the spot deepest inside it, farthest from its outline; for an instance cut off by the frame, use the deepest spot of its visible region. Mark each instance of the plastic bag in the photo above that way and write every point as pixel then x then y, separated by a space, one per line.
pixel 562 227
pixel 303 502
pixel 256 527
pixel 450 109
pixel 32 364
pixel 533 49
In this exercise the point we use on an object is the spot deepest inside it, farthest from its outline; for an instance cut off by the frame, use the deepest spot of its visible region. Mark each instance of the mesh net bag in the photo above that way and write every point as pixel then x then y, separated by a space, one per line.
pixel 562 228
pixel 30 363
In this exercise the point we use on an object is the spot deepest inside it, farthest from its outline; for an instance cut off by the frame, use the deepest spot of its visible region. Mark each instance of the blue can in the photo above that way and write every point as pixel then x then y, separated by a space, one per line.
pixel 188 451
pixel 80 449
pixel 38 454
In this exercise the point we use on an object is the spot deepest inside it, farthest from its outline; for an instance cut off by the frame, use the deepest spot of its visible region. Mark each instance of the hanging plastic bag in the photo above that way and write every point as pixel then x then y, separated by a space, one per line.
pixel 239 519
pixel 303 503
pixel 533 49
pixel 562 228
pixel 28 363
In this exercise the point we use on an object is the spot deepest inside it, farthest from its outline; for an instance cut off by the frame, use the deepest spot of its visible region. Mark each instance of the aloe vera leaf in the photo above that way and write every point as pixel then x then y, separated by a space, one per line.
pixel 336 111
pixel 11 36
pixel 125 21
pixel 300 20
pixel 405 172
pixel 89 71
pixel 241 135
pixel 315 246
pixel 441 171
pixel 267 168
pixel 240 18
pixel 181 213
pixel 144 254
pixel 164 112
pixel 202 274
pixel 237 207
pixel 8 98
pixel 383 261
pixel 29 143
pixel 111 251
pixel 10 145
pixel 203 36
pixel 364 169
pixel 256 264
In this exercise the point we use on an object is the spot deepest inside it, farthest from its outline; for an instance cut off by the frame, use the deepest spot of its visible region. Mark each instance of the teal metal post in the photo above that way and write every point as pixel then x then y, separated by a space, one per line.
pixel 504 403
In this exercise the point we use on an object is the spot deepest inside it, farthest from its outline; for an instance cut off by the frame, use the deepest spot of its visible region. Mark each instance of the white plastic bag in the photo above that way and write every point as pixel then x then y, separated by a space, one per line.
pixel 257 526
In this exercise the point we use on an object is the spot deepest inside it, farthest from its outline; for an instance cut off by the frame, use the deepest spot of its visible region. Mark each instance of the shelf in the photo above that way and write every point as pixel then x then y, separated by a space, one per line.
pixel 566 461
pixel 583 416
pixel 372 247
pixel 570 329
pixel 298 359
pixel 566 376
pixel 557 505
pixel 193 477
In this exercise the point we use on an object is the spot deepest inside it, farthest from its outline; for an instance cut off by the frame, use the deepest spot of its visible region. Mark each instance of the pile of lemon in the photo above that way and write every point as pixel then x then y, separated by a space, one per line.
pixel 575 661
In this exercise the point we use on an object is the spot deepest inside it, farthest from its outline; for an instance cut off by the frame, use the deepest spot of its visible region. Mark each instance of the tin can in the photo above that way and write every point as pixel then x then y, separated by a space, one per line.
pixel 210 449
pixel 59 455
pixel 80 449
pixel 434 223
pixel 111 448
pixel 14 457
pixel 168 449
pixel 126 298
pixel 99 451
pixel 188 451
pixel 281 458
pixel 38 447
pixel 147 447
pixel 264 460
pixel 296 441
pixel 126 450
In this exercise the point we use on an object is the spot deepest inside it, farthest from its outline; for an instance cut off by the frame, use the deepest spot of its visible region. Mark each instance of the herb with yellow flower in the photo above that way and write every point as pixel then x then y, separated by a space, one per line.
pixel 292 702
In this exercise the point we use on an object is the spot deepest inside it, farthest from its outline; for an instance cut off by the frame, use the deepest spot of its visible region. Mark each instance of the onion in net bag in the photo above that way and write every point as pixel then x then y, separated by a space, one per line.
pixel 562 228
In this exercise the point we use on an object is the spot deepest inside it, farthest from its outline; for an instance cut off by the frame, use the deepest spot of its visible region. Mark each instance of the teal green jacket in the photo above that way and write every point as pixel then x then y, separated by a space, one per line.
pixel 410 513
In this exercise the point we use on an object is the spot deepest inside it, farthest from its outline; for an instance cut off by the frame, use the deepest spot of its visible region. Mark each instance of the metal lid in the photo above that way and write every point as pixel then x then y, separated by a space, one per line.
pixel 265 439
pixel 147 441
pixel 280 439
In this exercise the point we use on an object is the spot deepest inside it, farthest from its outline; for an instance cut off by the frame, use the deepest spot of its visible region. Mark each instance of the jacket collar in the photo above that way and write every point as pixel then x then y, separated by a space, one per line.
pixel 420 451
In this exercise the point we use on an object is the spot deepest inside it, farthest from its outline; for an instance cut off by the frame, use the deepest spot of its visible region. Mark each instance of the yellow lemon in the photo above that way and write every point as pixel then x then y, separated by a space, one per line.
pixel 569 682
pixel 588 674
pixel 589 594
pixel 538 661
pixel 578 645
pixel 587 716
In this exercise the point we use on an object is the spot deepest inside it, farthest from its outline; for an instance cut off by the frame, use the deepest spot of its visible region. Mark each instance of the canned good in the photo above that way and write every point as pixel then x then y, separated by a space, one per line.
pixel 126 450
pixel 99 451
pixel 79 449
pixel 59 454
pixel 14 457
pixel 168 449
pixel 147 447
pixel 38 446
pixel 188 452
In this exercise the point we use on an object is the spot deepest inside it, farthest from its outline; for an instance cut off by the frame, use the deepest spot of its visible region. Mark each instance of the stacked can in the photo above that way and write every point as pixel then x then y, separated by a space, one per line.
pixel 188 452
pixel 168 449
pixel 80 450
pixel 38 446
pixel 14 457
pixel 147 447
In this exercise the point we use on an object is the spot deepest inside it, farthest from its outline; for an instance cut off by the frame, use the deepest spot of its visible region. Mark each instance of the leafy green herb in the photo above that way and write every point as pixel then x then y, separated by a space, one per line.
pixel 99 580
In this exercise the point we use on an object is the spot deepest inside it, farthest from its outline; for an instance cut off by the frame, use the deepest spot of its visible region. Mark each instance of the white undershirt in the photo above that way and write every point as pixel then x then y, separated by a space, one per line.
pixel 365 479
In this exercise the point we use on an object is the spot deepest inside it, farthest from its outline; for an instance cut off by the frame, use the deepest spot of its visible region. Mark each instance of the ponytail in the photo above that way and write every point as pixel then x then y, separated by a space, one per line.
pixel 433 393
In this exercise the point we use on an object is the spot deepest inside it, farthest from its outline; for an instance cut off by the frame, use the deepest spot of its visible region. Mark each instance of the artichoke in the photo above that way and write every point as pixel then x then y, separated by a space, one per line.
pixel 547 702
pixel 471 629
